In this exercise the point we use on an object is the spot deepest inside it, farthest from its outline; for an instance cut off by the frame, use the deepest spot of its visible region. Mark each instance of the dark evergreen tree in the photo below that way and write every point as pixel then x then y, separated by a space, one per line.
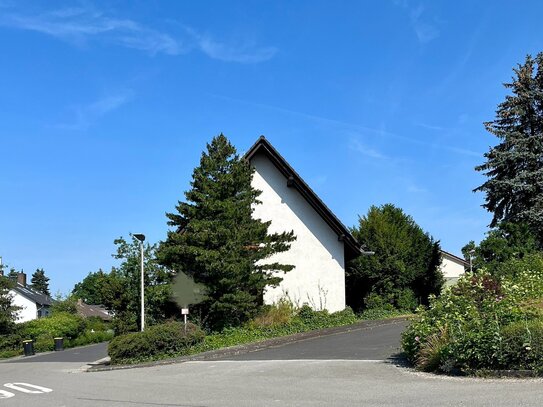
pixel 40 282
pixel 12 275
pixel 8 312
pixel 216 240
pixel 404 270
pixel 514 167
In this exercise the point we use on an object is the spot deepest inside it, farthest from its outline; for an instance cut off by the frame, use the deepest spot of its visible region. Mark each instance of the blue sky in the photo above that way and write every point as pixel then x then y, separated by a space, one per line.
pixel 105 108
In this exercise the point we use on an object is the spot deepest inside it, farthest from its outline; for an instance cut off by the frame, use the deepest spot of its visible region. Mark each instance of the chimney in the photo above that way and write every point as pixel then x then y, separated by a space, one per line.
pixel 21 279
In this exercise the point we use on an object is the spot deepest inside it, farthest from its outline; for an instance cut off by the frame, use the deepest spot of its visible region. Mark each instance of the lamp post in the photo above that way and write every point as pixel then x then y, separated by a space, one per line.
pixel 471 253
pixel 141 238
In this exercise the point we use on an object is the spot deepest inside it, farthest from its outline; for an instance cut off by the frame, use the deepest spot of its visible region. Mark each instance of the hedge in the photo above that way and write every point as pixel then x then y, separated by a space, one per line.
pixel 164 339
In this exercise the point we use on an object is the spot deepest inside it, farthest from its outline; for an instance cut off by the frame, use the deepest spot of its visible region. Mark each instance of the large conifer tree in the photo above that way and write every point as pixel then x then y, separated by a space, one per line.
pixel 216 240
pixel 514 167
pixel 40 282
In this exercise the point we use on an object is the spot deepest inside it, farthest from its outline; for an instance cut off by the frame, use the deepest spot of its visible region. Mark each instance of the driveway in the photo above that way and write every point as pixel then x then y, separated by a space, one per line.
pixel 373 342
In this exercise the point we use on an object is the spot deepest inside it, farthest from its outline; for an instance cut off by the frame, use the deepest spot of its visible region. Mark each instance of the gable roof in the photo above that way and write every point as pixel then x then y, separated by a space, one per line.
pixel 263 146
pixel 32 295
pixel 91 310
pixel 453 257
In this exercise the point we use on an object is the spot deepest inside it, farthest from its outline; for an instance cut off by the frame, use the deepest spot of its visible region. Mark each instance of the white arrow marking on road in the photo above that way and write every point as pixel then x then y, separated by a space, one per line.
pixel 17 386
pixel 5 394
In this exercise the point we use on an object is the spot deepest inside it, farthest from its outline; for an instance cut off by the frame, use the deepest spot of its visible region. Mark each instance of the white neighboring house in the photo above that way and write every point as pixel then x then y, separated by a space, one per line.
pixel 33 303
pixel 452 267
pixel 323 244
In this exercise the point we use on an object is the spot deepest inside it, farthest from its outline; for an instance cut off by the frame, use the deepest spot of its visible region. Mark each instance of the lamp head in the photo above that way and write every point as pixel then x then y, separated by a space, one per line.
pixel 139 236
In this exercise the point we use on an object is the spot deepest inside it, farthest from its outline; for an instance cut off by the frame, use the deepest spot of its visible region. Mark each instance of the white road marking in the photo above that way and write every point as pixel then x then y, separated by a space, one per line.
pixel 5 394
pixel 27 388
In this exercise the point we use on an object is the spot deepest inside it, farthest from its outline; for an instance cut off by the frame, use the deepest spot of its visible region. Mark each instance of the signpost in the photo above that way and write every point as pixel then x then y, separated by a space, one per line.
pixel 185 312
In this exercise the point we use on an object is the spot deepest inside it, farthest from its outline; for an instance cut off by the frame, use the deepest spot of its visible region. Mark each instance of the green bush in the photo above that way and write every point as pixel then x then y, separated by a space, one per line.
pixel 11 342
pixel 158 340
pixel 482 317
pixel 61 324
pixel 523 345
pixel 89 337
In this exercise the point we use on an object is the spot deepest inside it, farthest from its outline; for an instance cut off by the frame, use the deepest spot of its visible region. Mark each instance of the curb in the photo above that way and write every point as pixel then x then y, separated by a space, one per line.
pixel 256 346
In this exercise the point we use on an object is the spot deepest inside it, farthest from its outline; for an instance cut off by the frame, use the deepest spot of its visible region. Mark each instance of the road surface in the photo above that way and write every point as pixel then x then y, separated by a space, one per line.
pixel 350 369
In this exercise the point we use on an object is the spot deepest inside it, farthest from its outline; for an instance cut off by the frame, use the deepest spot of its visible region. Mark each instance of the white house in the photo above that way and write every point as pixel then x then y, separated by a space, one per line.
pixel 452 267
pixel 33 304
pixel 323 244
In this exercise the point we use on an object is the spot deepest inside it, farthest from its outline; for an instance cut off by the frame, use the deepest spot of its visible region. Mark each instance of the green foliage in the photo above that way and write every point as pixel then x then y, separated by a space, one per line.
pixel 119 290
pixel 75 330
pixel 61 324
pixel 514 188
pixel 64 305
pixel 8 312
pixel 506 241
pixel 216 240
pixel 405 267
pixel 523 345
pixel 159 340
pixel 475 315
pixel 40 282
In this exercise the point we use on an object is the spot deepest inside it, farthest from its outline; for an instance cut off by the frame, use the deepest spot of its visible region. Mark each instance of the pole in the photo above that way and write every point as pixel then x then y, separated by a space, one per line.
pixel 142 290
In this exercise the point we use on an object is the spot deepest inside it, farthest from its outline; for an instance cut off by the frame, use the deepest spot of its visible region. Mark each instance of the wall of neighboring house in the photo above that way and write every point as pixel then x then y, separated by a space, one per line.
pixel 451 269
pixel 319 276
pixel 28 311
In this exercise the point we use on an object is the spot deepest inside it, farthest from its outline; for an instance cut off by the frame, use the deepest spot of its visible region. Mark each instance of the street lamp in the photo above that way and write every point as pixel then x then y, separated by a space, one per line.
pixel 471 253
pixel 141 238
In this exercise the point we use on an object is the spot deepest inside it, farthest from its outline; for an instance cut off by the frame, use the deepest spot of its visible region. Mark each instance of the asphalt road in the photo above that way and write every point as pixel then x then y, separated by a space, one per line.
pixel 85 354
pixel 312 373
pixel 365 343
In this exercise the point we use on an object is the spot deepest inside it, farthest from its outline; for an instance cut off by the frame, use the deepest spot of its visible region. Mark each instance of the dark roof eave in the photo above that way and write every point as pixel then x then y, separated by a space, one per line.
pixel 263 145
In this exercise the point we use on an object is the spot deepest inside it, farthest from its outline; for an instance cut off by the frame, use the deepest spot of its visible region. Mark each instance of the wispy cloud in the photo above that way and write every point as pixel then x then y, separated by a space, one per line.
pixel 430 126
pixel 425 30
pixel 356 145
pixel 246 53
pixel 86 115
pixel 353 128
pixel 82 25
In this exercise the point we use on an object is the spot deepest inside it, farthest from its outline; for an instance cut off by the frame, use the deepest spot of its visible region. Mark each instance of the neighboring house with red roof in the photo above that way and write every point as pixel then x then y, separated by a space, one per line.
pixel 89 310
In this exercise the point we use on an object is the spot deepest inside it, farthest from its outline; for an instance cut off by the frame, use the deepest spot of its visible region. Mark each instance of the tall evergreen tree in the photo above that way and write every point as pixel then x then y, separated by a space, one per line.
pixel 514 167
pixel 216 240
pixel 40 282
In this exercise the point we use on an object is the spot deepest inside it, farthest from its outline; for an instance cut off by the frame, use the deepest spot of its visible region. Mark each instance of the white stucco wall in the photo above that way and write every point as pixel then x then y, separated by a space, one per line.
pixel 451 268
pixel 318 278
pixel 28 309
